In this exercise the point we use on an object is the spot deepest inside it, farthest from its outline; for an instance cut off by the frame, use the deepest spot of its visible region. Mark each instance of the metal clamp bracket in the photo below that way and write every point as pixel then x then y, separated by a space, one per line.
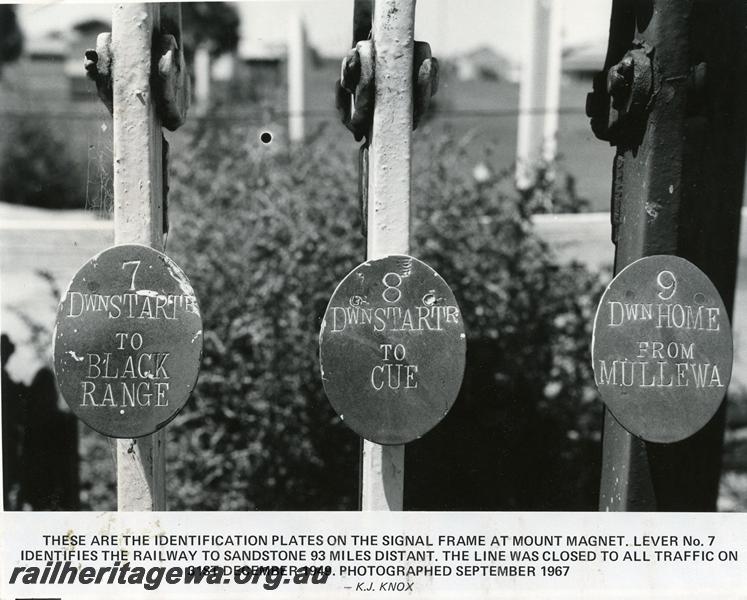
pixel 622 95
pixel 170 81
pixel 170 77
pixel 355 91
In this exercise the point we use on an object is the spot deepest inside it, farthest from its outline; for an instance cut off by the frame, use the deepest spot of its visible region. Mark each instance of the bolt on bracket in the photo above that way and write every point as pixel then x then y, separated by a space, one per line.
pixel 170 77
pixel 622 95
pixel 354 91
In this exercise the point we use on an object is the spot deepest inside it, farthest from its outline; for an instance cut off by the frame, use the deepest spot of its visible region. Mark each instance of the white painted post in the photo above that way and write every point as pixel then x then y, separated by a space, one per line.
pixel 297 63
pixel 202 79
pixel 552 87
pixel 138 212
pixel 539 96
pixel 389 187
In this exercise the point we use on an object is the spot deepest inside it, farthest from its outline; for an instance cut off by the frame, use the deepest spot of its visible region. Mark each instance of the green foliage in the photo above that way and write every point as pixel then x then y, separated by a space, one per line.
pixel 265 236
pixel 527 413
pixel 554 191
pixel 98 469
pixel 36 168
pixel 479 237
pixel 733 490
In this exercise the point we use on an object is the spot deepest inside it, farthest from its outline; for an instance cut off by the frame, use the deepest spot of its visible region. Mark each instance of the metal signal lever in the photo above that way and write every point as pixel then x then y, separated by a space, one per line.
pixel 671 102
pixel 170 80
pixel 355 91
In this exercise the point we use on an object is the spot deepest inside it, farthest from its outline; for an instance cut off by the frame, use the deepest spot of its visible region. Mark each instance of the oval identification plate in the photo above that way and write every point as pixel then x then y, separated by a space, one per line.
pixel 392 349
pixel 662 348
pixel 128 341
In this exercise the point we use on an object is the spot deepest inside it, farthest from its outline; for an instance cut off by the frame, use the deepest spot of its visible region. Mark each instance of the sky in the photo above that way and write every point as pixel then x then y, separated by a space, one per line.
pixel 450 26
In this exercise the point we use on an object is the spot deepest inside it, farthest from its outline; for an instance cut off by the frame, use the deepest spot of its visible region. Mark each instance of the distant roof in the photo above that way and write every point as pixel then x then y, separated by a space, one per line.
pixel 92 25
pixel 261 51
pixel 57 43
pixel 483 59
pixel 52 44
pixel 587 57
pixel 486 54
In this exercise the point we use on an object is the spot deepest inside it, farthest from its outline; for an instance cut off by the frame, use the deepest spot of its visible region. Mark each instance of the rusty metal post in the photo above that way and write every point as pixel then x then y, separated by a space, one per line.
pixel 673 103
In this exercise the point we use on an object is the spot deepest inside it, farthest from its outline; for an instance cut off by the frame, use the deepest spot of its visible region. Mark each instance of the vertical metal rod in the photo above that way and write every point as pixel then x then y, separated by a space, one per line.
pixel 138 212
pixel 679 192
pixel 389 188
pixel 650 174
pixel 297 60
pixel 539 95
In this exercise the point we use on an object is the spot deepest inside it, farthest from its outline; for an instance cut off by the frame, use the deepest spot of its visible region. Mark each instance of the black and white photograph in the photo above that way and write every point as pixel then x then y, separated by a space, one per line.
pixel 373 298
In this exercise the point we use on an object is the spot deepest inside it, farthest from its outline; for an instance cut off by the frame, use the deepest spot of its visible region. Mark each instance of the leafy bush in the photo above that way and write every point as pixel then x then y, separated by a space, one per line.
pixel 527 415
pixel 265 234
pixel 554 190
pixel 36 167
